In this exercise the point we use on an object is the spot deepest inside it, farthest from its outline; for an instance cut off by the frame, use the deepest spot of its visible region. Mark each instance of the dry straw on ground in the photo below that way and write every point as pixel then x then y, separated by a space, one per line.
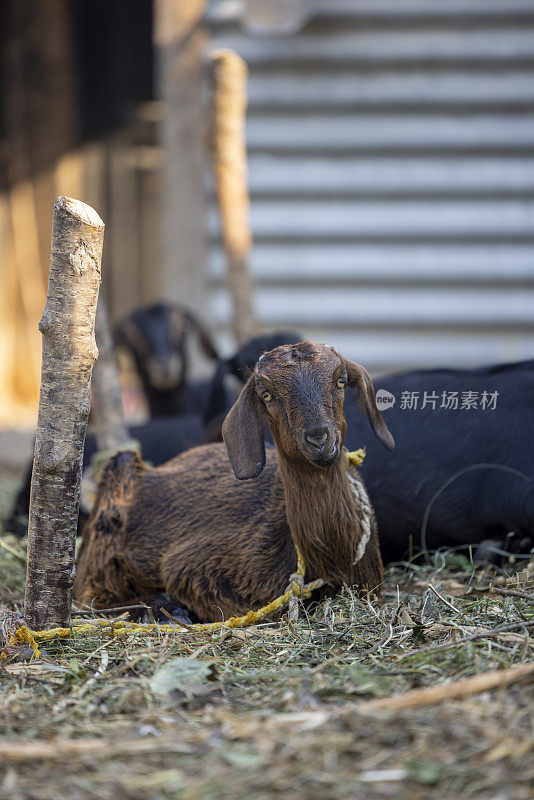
pixel 287 708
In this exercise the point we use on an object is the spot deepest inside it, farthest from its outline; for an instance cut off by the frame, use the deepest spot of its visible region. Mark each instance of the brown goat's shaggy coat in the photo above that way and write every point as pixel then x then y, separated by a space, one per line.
pixel 220 546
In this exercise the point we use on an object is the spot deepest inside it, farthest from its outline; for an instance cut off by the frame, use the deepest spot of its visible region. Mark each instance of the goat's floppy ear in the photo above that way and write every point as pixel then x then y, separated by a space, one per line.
pixel 204 338
pixel 359 377
pixel 242 432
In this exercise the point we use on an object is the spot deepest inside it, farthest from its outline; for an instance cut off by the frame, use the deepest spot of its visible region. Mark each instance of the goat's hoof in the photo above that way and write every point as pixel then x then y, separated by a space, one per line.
pixel 165 602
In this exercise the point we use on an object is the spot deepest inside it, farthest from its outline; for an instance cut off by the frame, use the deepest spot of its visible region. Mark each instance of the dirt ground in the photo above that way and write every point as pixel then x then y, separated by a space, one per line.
pixel 280 710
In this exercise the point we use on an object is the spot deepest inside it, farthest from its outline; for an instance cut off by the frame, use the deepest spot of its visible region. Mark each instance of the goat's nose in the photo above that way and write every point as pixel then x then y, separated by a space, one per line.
pixel 317 437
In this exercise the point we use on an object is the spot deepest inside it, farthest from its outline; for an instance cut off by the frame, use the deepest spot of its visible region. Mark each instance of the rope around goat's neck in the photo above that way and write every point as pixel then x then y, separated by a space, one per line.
pixel 297 589
pixel 361 497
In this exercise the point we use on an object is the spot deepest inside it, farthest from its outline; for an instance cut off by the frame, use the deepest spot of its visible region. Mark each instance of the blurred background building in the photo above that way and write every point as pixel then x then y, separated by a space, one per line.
pixel 391 158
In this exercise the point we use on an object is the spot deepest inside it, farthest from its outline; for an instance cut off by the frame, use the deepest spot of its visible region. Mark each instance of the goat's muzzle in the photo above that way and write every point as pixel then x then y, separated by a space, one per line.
pixel 165 372
pixel 321 446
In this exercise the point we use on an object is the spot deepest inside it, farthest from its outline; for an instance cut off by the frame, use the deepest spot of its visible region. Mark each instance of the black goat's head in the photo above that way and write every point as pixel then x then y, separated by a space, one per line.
pixel 157 336
pixel 241 365
pixel 243 361
pixel 300 390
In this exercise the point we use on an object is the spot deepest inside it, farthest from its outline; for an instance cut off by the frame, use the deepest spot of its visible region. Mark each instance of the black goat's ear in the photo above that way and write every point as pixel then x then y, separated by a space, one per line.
pixel 359 377
pixel 204 338
pixel 242 432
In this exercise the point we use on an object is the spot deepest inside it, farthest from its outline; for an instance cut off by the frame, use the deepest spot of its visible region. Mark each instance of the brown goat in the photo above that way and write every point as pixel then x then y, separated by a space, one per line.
pixel 221 547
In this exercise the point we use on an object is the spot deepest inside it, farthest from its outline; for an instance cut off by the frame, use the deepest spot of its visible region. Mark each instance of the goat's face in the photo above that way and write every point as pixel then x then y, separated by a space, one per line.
pixel 156 337
pixel 300 390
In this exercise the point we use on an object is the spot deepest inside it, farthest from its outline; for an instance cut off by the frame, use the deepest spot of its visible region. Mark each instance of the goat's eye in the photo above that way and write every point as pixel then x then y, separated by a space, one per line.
pixel 266 397
pixel 341 383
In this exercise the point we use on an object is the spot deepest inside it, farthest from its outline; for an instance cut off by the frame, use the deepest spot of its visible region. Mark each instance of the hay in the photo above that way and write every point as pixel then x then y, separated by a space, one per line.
pixel 278 709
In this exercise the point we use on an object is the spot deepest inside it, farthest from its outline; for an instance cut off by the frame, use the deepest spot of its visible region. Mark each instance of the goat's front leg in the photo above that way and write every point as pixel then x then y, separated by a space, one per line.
pixel 162 607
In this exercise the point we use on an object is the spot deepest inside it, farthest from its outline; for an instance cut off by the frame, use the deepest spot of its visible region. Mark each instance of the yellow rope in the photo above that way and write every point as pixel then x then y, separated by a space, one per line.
pixel 19 637
pixel 355 457
pixel 23 635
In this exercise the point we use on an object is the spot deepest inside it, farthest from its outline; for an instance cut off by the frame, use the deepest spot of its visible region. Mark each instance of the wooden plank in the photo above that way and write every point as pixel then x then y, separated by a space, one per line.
pixel 95 182
pixel 68 175
pixel 94 177
pixel 407 306
pixel 383 262
pixel 122 234
pixel 180 43
pixel 348 219
pixel 325 46
pixel 149 179
pixel 292 175
pixel 301 132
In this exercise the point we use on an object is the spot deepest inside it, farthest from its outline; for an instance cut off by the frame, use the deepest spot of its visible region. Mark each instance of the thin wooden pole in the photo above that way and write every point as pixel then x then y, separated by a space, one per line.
pixel 228 73
pixel 108 414
pixel 108 420
pixel 456 690
pixel 109 425
pixel 69 352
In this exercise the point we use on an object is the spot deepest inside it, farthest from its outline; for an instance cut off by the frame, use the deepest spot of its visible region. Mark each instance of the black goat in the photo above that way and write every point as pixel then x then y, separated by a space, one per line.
pixel 481 458
pixel 156 337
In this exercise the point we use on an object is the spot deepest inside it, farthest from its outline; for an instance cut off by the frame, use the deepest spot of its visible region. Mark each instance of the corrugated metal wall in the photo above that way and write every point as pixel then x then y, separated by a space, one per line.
pixel 391 156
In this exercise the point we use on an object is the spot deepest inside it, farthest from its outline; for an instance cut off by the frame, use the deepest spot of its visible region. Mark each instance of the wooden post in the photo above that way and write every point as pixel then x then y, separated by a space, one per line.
pixel 180 37
pixel 108 413
pixel 228 74
pixel 69 352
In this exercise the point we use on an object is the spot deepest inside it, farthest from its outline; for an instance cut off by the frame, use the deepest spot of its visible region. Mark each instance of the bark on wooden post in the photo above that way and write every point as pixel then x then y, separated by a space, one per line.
pixel 69 352
pixel 228 73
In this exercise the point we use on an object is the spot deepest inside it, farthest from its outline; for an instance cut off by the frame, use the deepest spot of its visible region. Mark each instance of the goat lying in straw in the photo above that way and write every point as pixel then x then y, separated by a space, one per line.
pixel 220 547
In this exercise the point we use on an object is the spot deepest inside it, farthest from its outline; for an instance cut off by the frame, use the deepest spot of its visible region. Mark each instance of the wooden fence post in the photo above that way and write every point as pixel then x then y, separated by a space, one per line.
pixel 69 352
pixel 180 36
pixel 108 421
pixel 108 414
pixel 228 73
